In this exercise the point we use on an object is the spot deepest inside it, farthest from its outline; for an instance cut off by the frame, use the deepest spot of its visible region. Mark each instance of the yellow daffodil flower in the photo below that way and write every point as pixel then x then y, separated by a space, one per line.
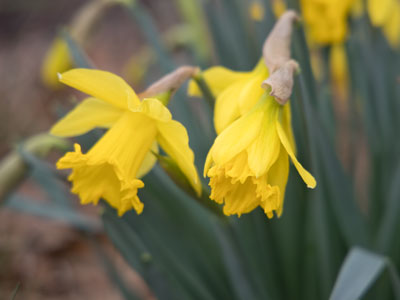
pixel 236 92
pixel 391 28
pixel 278 7
pixel 58 58
pixel 386 14
pixel 339 70
pixel 248 164
pixel 326 20
pixel 111 168
pixel 256 11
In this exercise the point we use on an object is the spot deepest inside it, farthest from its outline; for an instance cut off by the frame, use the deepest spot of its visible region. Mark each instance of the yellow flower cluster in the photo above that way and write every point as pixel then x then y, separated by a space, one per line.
pixel 248 164
pixel 327 20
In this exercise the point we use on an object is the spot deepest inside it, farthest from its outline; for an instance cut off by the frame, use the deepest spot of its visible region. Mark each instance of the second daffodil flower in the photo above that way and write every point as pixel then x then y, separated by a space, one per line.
pixel 248 164
pixel 112 168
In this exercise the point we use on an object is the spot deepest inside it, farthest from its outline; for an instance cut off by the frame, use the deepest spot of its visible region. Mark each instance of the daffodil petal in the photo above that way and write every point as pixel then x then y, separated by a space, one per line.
pixel 278 176
pixel 226 108
pixel 287 125
pixel 379 10
pixel 241 199
pixel 101 85
pixel 391 28
pixel 260 68
pixel 218 78
pixel 240 97
pixel 250 93
pixel 305 175
pixel 207 164
pixel 265 149
pixel 148 162
pixel 237 137
pixel 154 109
pixel 173 138
pixel 251 90
pixel 87 115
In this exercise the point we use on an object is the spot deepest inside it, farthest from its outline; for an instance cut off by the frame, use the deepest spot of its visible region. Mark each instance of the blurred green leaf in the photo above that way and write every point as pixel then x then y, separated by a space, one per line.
pixel 327 167
pixel 239 275
pixel 53 211
pixel 390 219
pixel 78 55
pixel 15 291
pixel 112 272
pixel 137 255
pixel 359 271
pixel 45 175
pixel 148 27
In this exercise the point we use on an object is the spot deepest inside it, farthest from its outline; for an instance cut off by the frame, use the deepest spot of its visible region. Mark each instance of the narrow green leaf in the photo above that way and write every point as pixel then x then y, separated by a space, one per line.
pixel 394 276
pixel 390 219
pixel 241 279
pixel 54 212
pixel 112 272
pixel 45 175
pixel 256 248
pixel 205 90
pixel 359 271
pixel 137 255
pixel 15 291
pixel 227 48
pixel 148 27
pixel 327 165
pixel 78 55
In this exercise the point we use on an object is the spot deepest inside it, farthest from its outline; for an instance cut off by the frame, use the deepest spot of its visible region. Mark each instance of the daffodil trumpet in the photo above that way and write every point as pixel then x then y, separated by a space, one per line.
pixel 112 168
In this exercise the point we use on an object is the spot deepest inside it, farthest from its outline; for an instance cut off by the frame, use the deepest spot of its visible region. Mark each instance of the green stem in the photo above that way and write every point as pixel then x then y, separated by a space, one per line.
pixel 13 168
pixel 146 23
pixel 205 89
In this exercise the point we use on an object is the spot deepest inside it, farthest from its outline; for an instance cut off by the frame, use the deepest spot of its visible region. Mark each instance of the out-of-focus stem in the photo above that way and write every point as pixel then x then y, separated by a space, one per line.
pixel 13 168
pixel 173 171
pixel 205 89
pixel 146 24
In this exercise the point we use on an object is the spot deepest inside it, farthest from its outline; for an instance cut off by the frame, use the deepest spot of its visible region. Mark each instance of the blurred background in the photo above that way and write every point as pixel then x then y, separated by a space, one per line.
pixel 345 117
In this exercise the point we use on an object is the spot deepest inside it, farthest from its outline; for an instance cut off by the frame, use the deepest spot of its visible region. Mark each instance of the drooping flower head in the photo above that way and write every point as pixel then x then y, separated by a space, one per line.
pixel 112 167
pixel 248 164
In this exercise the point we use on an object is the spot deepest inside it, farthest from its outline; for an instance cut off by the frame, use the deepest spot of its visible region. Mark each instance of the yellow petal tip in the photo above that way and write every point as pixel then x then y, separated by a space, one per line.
pixel 311 182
